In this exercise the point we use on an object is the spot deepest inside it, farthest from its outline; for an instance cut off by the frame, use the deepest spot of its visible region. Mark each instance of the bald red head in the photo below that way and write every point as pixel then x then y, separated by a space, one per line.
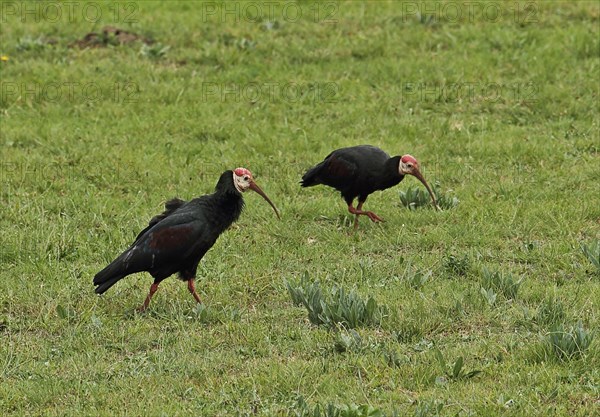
pixel 240 172
pixel 409 159
pixel 410 166
pixel 242 180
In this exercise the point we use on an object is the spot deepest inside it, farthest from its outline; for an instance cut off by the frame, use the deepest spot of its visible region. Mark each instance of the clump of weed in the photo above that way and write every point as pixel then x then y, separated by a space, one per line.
pixel 457 265
pixel 417 197
pixel 564 345
pixel 349 309
pixel 489 295
pixel 28 43
pixel 348 341
pixel 242 43
pixel 336 307
pixel 503 283
pixel 394 359
pixel 592 252
pixel 154 51
pixel 550 311
pixel 302 409
pixel 416 279
pixel 409 331
pixel 204 314
pixel 309 295
pixel 428 409
pixel 66 313
pixel 454 371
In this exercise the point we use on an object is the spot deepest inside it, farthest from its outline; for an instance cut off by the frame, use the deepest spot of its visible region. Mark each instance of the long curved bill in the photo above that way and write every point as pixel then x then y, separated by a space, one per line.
pixel 257 189
pixel 418 174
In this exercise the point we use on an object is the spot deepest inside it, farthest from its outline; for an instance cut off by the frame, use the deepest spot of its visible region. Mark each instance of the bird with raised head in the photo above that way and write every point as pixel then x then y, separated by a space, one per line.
pixel 358 171
pixel 176 240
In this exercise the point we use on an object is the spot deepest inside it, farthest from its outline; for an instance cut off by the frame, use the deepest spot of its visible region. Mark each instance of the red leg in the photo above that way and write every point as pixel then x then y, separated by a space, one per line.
pixel 153 289
pixel 358 211
pixel 192 288
pixel 358 208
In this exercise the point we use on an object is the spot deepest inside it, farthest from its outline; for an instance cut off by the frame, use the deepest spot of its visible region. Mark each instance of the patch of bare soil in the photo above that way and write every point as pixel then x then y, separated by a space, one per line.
pixel 109 35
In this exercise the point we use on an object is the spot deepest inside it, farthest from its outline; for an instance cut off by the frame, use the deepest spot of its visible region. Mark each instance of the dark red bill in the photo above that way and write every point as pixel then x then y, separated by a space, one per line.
pixel 256 188
pixel 418 174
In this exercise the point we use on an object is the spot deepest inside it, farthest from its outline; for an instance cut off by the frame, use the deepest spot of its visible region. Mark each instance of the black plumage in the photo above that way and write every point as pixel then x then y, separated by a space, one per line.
pixel 176 240
pixel 358 171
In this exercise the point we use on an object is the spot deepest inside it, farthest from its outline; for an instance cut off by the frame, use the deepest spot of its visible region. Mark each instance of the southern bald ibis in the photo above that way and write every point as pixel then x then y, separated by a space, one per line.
pixel 177 239
pixel 358 171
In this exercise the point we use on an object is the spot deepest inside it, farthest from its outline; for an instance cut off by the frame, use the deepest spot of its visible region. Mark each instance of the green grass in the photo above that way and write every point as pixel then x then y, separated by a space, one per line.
pixel 504 113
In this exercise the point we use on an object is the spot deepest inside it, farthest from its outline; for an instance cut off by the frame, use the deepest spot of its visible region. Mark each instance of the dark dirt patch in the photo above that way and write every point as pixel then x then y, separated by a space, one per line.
pixel 109 35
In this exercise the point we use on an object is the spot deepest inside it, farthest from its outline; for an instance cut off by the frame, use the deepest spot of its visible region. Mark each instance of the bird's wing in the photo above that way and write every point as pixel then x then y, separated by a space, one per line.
pixel 338 169
pixel 168 243
pixel 170 207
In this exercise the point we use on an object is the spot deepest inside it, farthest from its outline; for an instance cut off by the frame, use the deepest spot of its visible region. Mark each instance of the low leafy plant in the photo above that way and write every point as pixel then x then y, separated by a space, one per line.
pixel 213 314
pixel 501 283
pixel 302 409
pixel 592 252
pixel 107 38
pixel 32 44
pixel 336 307
pixel 415 197
pixel 428 409
pixel 202 314
pixel 503 402
pixel 550 311
pixel 347 308
pixel 309 295
pixel 489 295
pixel 409 331
pixel 348 341
pixel 66 313
pixel 154 51
pixel 457 265
pixel 417 279
pixel 457 310
pixel 394 359
pixel 452 372
pixel 423 345
pixel 569 344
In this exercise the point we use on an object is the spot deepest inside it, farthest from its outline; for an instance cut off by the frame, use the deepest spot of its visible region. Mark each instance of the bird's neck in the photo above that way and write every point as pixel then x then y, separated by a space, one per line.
pixel 391 167
pixel 227 208
pixel 389 175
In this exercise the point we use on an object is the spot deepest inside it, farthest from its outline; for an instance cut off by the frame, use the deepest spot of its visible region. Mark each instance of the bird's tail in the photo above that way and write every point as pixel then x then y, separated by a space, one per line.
pixel 109 276
pixel 310 177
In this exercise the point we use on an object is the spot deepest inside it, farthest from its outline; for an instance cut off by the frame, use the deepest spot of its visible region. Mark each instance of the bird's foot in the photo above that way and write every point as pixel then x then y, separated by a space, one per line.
pixel 141 309
pixel 374 217
pixel 358 212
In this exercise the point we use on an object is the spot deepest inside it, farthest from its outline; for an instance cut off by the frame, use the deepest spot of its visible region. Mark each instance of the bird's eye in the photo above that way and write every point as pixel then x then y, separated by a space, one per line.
pixel 409 165
pixel 246 178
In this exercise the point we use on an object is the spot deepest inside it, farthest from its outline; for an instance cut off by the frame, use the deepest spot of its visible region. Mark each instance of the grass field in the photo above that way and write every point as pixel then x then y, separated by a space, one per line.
pixel 498 101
